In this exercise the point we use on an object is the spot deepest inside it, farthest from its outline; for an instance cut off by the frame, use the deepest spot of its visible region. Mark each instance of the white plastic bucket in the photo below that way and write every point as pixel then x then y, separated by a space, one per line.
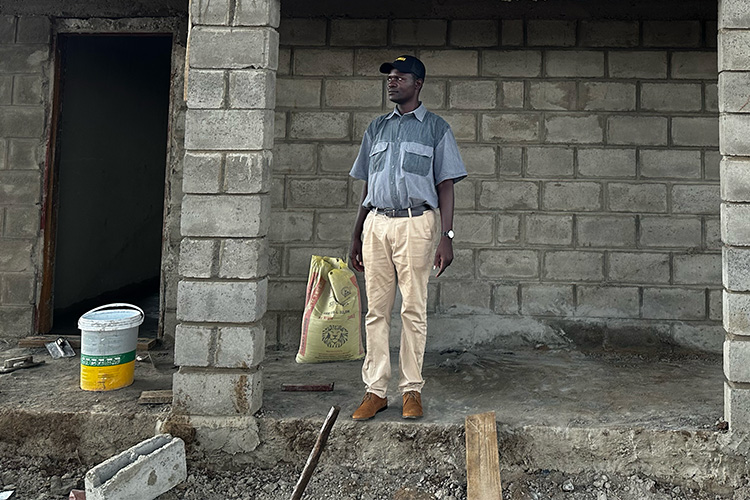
pixel 109 337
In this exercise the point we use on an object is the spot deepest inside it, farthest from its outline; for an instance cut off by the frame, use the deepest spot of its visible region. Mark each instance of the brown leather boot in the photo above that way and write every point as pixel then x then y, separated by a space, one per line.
pixel 412 405
pixel 371 404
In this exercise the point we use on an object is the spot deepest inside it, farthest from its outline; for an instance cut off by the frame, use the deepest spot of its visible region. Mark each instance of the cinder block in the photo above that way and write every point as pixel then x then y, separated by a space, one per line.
pixel 23 58
pixel 285 62
pixel 736 356
pixel 247 173
pixel 221 301
pixel 7 29
pixel 330 226
pixel 697 269
pixel 465 297
pixel 277 194
pixel 418 32
pixel 512 32
pixel 606 96
pixel 22 221
pixel 508 229
pixel 474 33
pixel 715 304
pixel 697 336
pixel 735 179
pixel 252 89
pixel 294 158
pixel 20 187
pixel 230 435
pixel 302 31
pixel 22 121
pixel 338 157
pixel 711 164
pixel 240 346
pixel 736 313
pixel 672 33
pixel 638 64
pixel 27 90
pixel 549 229
pixel 666 163
pixel 637 130
pixel 257 13
pixel 637 197
pixel 605 231
pixel 475 228
pixel 596 162
pixel 695 65
pixel 512 63
pixel 205 89
pixel 323 62
pixel 465 195
pixel 290 226
pixel 279 125
pixel 367 61
pixel 17 289
pixel 144 471
pixel 463 264
pixel 712 33
pixel 674 303
pixel 607 302
pixel 511 161
pixel 319 125
pixel 197 257
pixel 201 172
pixel 353 93
pixel 243 258
pixel 547 300
pixel 734 14
pixel 505 299
pixel 733 88
pixel 736 268
pixel 34 29
pixel 508 263
pixel 574 265
pixel 216 13
pixel 551 33
pixel 298 261
pixel 359 32
pixel 479 160
pixel 733 53
pixel 575 63
pixel 680 232
pixel 325 193
pixel 450 62
pixel 433 95
pixel 711 97
pixel 224 392
pixel 512 95
pixel 237 216
pixel 286 295
pixel 609 33
pixel 572 196
pixel 552 95
pixel 737 407
pixel 233 48
pixel 695 131
pixel 695 199
pixel 712 233
pixel 671 97
pixel 464 125
pixel 509 195
pixel 229 129
pixel 474 94
pixel 16 321
pixel 551 162
pixel 511 127
pixel 6 88
pixel 734 134
pixel 577 129
pixel 193 345
pixel 638 267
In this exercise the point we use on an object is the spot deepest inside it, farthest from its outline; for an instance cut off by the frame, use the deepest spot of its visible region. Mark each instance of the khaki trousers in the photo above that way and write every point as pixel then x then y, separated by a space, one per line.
pixel 397 249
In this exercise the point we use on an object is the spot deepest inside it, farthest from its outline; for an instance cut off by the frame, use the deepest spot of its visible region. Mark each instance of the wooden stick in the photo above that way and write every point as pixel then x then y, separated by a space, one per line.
pixel 482 458
pixel 312 460
pixel 307 387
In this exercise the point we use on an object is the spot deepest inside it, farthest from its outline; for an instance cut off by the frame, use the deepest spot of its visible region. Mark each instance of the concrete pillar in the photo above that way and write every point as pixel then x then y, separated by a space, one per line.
pixel 221 298
pixel 734 96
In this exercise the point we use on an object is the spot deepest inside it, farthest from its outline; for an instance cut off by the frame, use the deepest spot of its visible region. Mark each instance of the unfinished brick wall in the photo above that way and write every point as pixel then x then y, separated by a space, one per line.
pixel 592 201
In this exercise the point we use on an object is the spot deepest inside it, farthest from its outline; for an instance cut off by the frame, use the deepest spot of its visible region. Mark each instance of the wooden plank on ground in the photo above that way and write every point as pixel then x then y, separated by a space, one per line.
pixel 155 397
pixel 145 344
pixel 40 340
pixel 482 458
pixel 307 387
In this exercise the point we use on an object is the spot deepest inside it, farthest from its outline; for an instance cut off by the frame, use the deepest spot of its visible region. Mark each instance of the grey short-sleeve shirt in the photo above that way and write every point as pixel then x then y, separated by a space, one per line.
pixel 404 157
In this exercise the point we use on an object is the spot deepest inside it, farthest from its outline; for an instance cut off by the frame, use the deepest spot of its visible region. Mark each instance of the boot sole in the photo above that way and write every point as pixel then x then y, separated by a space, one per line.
pixel 411 417
pixel 371 416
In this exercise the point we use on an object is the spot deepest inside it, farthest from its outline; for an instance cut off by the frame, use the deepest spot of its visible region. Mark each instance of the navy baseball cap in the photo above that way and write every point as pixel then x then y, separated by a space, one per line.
pixel 405 64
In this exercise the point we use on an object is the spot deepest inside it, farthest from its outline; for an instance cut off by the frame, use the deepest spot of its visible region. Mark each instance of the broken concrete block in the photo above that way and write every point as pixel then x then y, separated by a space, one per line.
pixel 145 471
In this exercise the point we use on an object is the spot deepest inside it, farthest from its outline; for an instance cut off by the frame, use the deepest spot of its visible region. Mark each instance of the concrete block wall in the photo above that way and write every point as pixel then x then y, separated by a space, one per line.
pixel 734 67
pixel 24 116
pixel 592 202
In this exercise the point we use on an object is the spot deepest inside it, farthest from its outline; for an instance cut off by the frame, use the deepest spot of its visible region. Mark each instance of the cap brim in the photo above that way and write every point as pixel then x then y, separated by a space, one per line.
pixel 387 68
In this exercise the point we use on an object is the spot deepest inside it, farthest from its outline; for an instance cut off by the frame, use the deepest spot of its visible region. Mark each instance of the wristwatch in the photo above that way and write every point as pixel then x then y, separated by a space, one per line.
pixel 449 233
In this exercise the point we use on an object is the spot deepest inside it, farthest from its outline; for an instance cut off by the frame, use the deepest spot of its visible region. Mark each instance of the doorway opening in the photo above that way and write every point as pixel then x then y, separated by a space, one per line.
pixel 107 193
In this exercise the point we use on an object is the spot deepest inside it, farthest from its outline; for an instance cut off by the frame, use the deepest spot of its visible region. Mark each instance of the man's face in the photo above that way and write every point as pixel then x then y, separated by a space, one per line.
pixel 402 86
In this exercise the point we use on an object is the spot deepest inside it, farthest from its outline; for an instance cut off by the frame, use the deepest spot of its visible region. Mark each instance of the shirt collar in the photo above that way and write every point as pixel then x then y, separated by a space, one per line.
pixel 418 113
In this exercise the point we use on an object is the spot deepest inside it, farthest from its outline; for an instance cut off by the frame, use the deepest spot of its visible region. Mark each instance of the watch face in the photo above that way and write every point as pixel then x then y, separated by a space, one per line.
pixel 449 233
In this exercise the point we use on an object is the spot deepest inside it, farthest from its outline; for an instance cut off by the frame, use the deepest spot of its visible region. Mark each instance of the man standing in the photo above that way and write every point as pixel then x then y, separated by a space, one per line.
pixel 409 161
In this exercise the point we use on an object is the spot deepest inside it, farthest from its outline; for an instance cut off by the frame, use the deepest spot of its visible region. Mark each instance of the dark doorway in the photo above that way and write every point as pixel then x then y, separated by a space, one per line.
pixel 111 151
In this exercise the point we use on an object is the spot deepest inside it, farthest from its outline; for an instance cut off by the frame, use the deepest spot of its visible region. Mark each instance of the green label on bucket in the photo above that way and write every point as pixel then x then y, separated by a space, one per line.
pixel 107 360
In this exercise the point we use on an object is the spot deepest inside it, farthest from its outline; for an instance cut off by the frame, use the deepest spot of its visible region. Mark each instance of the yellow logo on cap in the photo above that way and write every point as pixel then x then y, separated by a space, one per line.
pixel 401 59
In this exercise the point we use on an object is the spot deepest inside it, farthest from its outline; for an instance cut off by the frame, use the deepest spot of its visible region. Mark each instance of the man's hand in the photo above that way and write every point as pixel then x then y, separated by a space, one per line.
pixel 444 255
pixel 355 255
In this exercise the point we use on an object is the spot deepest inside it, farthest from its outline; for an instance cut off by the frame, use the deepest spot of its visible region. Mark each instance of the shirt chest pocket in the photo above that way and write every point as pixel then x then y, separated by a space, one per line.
pixel 378 156
pixel 417 158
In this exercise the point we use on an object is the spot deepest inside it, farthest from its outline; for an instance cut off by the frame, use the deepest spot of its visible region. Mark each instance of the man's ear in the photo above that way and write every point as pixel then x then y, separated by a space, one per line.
pixel 418 82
